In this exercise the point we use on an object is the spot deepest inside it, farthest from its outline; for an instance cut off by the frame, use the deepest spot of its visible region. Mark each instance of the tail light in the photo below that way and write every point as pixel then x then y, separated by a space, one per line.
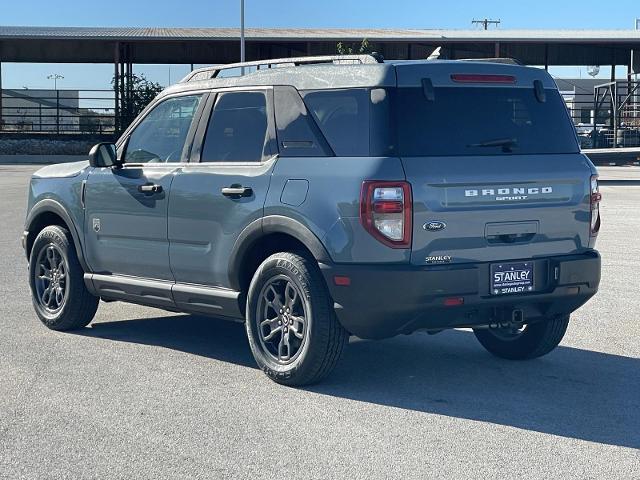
pixel 596 196
pixel 385 212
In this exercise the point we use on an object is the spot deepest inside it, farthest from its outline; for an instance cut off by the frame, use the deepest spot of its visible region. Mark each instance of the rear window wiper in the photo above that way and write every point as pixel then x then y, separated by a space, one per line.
pixel 506 143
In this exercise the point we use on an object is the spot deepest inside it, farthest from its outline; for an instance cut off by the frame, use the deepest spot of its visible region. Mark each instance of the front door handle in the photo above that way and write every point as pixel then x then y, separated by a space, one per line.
pixel 150 189
pixel 237 191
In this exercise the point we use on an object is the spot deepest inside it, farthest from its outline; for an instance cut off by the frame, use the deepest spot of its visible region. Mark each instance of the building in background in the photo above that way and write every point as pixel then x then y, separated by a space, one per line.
pixel 26 110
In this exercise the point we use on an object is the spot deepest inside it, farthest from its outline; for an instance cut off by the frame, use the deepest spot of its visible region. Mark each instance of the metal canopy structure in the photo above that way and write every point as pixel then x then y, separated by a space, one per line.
pixel 125 46
pixel 222 45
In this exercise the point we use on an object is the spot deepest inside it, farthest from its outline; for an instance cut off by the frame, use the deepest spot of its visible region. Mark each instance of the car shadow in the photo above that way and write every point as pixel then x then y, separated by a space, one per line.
pixel 572 392
pixel 207 337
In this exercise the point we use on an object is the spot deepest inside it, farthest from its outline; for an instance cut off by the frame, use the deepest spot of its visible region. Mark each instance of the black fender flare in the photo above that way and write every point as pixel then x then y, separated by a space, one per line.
pixel 49 205
pixel 267 225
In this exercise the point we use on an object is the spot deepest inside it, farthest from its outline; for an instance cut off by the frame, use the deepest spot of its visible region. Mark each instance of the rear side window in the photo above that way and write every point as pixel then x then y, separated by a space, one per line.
pixel 482 121
pixel 343 118
pixel 237 129
pixel 298 134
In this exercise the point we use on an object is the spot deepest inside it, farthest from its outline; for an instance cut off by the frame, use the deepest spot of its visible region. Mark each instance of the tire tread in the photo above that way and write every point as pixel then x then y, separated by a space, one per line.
pixel 330 338
pixel 81 305
pixel 537 340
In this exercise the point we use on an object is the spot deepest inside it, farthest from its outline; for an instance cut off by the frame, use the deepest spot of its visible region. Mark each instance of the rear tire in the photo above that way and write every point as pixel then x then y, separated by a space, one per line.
pixel 534 341
pixel 60 297
pixel 293 331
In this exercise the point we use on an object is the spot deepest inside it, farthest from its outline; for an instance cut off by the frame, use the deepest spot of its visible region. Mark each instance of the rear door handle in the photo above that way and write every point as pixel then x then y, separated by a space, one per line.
pixel 150 188
pixel 237 191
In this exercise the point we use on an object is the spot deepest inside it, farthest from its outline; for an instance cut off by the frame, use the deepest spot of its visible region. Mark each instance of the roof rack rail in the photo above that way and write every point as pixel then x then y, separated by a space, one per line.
pixel 207 73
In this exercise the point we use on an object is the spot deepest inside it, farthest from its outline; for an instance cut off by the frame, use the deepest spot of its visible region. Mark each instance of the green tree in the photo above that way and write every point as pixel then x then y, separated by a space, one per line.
pixel 353 49
pixel 142 91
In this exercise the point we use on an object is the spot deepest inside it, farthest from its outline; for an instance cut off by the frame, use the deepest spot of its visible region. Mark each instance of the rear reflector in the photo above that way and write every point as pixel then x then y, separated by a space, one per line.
pixel 478 78
pixel 341 280
pixel 387 207
pixel 595 198
pixel 453 301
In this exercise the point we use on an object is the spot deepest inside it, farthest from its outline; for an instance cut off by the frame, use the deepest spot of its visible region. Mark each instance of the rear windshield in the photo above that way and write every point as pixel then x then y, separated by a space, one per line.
pixel 482 121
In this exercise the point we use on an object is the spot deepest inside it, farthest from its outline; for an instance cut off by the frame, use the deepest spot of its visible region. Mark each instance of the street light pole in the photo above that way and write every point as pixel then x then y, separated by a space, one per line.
pixel 242 54
pixel 55 77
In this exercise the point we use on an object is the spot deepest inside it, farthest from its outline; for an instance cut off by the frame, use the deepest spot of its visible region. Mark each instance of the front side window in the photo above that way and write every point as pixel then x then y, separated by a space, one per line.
pixel 161 135
pixel 237 129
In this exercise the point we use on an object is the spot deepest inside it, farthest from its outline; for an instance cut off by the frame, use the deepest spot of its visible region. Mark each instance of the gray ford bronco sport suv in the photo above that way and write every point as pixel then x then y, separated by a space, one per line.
pixel 317 198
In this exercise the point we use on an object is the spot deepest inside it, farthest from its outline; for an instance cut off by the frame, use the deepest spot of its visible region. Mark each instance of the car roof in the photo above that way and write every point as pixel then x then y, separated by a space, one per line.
pixel 370 75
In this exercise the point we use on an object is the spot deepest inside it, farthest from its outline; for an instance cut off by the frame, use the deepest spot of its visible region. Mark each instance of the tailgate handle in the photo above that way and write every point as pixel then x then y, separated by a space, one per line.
pixel 511 232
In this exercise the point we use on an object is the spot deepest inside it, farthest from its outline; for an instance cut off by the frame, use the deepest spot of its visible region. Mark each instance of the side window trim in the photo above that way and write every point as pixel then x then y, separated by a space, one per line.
pixel 123 141
pixel 271 147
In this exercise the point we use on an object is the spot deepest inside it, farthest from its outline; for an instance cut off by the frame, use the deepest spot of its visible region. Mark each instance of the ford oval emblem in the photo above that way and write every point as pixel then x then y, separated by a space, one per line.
pixel 434 226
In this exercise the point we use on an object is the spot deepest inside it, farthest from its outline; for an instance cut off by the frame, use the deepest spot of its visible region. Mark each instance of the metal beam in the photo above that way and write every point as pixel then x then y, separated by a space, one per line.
pixel 546 56
pixel 116 81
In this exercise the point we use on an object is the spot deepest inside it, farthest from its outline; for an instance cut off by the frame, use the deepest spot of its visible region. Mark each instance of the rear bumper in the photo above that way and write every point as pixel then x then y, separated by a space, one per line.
pixel 385 300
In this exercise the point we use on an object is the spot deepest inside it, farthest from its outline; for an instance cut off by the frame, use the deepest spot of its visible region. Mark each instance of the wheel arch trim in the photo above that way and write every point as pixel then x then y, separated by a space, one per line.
pixel 262 227
pixel 49 205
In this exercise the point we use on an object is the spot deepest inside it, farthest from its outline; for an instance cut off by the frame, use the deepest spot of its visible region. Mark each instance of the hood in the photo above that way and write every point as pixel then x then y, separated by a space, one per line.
pixel 62 170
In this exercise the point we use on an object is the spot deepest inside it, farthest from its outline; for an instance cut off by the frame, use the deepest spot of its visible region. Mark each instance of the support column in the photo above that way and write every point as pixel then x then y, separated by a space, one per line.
pixel 546 57
pixel 124 114
pixel 116 82
pixel 496 50
pixel 1 111
pixel 634 70
pixel 614 105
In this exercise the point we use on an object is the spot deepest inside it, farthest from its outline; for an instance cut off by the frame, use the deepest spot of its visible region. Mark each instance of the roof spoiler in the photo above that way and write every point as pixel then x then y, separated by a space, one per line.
pixel 508 61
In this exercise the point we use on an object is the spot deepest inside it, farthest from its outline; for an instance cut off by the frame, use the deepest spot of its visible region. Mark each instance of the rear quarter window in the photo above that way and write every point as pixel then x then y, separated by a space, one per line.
pixel 343 118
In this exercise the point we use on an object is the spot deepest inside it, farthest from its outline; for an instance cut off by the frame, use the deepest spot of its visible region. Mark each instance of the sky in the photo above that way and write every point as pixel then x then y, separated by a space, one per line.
pixel 455 14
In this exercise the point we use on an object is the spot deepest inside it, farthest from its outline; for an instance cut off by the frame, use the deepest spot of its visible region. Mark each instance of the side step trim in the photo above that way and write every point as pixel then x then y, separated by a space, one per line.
pixel 213 301
pixel 208 300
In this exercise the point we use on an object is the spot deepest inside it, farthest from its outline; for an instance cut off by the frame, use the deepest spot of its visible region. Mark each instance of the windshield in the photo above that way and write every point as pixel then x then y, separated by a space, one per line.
pixel 482 121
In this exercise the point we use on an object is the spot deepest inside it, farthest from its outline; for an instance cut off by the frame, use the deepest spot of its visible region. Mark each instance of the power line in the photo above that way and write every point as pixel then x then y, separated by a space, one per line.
pixel 486 22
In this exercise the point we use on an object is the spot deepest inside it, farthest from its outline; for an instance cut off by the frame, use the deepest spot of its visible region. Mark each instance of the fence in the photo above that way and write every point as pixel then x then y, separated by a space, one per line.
pixel 605 115
pixel 618 105
pixel 58 111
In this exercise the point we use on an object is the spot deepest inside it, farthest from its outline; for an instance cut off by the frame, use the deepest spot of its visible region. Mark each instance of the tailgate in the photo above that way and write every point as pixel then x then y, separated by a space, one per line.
pixel 494 208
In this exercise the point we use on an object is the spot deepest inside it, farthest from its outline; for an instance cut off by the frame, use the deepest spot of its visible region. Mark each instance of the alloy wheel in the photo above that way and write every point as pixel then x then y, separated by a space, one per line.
pixel 282 319
pixel 51 278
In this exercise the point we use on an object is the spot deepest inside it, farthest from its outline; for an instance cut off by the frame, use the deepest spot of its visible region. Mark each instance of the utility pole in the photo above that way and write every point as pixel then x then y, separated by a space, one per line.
pixel 486 22
pixel 242 54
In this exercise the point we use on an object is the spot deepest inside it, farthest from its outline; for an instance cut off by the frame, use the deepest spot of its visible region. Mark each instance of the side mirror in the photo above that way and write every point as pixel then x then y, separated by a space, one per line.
pixel 103 155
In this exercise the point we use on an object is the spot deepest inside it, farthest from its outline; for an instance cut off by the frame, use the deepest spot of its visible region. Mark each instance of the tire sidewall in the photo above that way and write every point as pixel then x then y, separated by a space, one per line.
pixel 56 236
pixel 298 274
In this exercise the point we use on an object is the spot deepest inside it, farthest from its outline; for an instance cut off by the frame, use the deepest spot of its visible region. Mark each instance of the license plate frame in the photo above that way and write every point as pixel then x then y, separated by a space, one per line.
pixel 511 278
